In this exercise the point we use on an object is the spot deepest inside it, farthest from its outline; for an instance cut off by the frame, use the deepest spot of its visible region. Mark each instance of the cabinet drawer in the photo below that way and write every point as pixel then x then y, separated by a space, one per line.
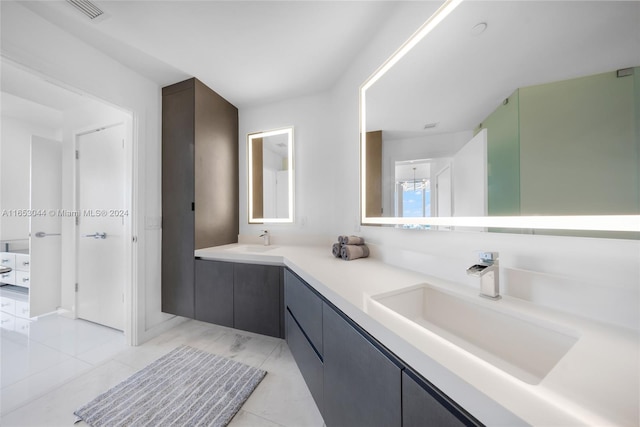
pixel 7 321
pixel 8 305
pixel 306 308
pixel 362 385
pixel 8 278
pixel 22 309
pixel 22 262
pixel 423 405
pixel 22 326
pixel 306 358
pixel 22 278
pixel 8 259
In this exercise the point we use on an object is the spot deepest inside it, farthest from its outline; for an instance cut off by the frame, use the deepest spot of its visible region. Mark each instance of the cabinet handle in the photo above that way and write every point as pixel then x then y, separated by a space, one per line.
pixel 25 279
pixel 5 260
pixel 25 263
pixel 5 304
pixel 6 275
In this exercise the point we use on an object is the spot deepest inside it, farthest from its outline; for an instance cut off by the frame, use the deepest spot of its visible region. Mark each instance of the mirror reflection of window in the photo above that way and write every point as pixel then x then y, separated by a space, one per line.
pixel 413 189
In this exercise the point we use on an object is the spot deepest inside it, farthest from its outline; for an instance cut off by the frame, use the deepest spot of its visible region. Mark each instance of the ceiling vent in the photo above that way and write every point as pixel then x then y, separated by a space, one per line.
pixel 86 7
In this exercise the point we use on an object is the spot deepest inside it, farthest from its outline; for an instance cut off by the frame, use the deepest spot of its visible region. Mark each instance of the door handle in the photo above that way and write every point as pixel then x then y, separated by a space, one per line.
pixel 43 234
pixel 97 235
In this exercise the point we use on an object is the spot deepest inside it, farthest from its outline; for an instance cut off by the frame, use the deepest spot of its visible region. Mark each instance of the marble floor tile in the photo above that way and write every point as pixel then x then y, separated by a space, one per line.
pixel 20 360
pixel 247 419
pixel 283 396
pixel 46 397
pixel 71 336
pixel 56 407
pixel 36 385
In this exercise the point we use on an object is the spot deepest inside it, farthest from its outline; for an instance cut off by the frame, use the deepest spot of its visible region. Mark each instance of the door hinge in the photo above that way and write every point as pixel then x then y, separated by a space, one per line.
pixel 76 287
pixel 77 220
pixel 77 154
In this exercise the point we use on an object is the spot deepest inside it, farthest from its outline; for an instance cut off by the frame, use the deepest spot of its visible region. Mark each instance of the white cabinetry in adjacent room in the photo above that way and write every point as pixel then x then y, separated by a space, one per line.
pixel 14 311
pixel 8 259
pixel 22 270
pixel 19 264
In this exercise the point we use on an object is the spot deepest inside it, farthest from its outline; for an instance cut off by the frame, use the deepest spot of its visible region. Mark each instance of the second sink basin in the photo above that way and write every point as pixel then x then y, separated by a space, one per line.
pixel 526 348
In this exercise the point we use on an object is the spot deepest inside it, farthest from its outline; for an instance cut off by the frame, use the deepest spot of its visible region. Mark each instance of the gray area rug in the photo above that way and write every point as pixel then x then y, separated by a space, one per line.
pixel 186 387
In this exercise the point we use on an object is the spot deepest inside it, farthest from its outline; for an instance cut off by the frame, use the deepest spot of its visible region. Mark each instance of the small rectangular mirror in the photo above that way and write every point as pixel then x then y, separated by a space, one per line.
pixel 270 170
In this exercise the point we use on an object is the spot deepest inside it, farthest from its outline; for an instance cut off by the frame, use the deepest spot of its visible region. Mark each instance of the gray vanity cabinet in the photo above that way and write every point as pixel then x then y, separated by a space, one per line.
pixel 303 314
pixel 305 307
pixel 362 385
pixel 199 185
pixel 307 359
pixel 243 296
pixel 424 406
pixel 214 292
pixel 354 380
pixel 257 292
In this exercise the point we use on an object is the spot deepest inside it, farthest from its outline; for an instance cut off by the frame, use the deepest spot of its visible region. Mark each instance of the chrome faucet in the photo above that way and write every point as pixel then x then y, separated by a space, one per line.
pixel 265 236
pixel 489 273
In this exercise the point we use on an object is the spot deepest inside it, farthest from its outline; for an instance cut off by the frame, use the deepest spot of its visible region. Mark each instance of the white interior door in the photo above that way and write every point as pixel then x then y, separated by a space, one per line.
pixel 45 226
pixel 101 229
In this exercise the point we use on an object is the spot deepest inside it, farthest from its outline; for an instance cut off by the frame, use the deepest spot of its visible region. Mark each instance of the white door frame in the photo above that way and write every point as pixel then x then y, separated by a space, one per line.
pixel 131 256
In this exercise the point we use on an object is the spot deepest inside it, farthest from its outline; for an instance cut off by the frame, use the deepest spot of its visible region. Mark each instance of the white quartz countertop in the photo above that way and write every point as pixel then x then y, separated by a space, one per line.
pixel 596 383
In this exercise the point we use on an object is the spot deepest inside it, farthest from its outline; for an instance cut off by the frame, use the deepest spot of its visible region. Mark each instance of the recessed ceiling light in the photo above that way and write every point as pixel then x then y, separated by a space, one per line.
pixel 479 28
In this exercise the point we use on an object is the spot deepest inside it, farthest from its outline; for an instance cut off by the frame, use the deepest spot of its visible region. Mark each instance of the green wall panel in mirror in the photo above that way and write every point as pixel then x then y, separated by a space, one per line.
pixel 503 158
pixel 579 148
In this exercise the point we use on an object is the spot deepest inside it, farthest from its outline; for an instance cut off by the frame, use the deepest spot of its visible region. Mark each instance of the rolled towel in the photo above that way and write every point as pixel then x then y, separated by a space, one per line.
pixel 350 240
pixel 335 250
pixel 349 252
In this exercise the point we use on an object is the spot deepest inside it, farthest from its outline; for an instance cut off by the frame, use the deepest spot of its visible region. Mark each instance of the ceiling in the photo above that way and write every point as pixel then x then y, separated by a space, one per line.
pixel 250 52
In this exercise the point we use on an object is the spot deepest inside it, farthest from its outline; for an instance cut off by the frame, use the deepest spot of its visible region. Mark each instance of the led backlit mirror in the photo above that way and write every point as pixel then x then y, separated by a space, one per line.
pixel 508 114
pixel 270 170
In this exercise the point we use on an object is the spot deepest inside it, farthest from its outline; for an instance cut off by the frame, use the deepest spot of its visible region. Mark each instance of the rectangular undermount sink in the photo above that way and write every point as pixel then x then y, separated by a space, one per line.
pixel 252 248
pixel 526 348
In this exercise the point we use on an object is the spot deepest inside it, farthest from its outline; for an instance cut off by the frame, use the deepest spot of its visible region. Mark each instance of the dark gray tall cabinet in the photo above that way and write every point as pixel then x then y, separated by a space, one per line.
pixel 199 185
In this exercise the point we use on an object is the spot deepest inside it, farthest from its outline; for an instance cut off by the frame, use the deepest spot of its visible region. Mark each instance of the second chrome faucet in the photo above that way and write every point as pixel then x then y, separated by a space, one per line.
pixel 488 270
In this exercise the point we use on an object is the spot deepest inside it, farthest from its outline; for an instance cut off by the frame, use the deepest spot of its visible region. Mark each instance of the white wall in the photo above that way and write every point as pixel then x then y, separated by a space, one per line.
pixel 547 270
pixel 595 277
pixel 315 165
pixel 37 44
pixel 15 160
pixel 327 170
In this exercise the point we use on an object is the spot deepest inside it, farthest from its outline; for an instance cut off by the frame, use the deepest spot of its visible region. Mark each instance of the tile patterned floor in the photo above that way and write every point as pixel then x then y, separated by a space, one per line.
pixel 64 363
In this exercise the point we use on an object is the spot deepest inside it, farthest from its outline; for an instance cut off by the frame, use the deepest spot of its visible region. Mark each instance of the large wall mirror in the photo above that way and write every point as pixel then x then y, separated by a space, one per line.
pixel 508 114
pixel 270 170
